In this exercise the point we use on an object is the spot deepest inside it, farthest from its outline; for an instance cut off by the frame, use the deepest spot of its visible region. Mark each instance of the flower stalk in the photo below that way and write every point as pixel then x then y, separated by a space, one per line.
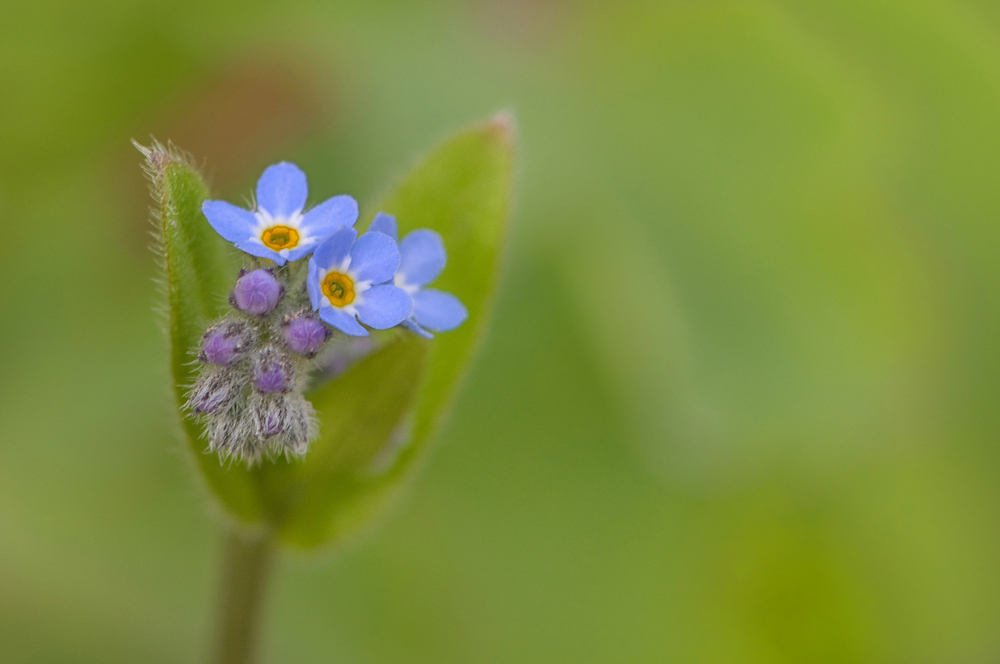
pixel 247 562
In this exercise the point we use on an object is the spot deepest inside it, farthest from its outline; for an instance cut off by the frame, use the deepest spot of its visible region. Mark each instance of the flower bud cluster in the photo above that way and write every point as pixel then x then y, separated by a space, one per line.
pixel 254 364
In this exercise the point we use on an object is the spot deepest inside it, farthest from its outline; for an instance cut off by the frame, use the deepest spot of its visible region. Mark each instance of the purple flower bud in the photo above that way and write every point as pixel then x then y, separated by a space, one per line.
pixel 305 334
pixel 210 402
pixel 213 392
pixel 271 378
pixel 272 372
pixel 257 292
pixel 268 415
pixel 224 344
pixel 272 424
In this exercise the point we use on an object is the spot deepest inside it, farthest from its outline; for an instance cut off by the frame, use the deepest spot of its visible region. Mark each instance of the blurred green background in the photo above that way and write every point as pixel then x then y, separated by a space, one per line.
pixel 740 401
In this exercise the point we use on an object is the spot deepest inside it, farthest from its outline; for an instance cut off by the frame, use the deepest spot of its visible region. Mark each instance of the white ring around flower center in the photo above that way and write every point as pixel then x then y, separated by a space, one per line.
pixel 265 221
pixel 359 286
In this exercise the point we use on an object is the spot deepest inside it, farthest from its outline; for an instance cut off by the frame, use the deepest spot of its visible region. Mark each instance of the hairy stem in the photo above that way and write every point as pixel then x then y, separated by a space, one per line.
pixel 246 569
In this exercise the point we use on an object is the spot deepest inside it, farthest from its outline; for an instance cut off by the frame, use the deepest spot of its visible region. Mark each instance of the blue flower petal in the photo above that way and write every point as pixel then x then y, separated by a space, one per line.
pixel 231 222
pixel 385 223
pixel 259 250
pixel 319 222
pixel 422 257
pixel 374 258
pixel 412 326
pixel 333 250
pixel 282 190
pixel 343 321
pixel 304 249
pixel 383 306
pixel 312 285
pixel 437 310
pixel 330 215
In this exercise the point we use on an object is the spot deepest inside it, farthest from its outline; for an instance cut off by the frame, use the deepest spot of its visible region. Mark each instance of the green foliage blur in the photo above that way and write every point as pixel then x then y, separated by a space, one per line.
pixel 739 403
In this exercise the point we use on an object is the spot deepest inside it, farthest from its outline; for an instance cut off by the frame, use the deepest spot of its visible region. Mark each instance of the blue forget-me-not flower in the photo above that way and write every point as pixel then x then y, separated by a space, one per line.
pixel 422 258
pixel 256 359
pixel 278 228
pixel 346 282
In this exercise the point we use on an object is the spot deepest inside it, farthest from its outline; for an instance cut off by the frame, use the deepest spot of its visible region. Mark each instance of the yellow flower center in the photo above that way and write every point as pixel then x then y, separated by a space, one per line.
pixel 280 237
pixel 338 288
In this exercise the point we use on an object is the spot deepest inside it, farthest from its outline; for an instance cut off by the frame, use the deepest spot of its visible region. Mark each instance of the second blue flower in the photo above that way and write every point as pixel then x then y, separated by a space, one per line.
pixel 347 278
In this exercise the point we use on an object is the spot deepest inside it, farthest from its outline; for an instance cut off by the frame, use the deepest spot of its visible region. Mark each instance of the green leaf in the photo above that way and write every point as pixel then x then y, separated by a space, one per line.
pixel 377 420
pixel 198 273
pixel 359 413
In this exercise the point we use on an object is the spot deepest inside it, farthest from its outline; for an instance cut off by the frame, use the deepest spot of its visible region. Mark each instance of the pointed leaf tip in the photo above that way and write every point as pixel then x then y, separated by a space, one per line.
pixel 504 124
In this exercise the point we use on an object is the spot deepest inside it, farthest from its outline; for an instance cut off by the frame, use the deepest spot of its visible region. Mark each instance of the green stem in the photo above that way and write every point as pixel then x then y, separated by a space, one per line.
pixel 246 568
